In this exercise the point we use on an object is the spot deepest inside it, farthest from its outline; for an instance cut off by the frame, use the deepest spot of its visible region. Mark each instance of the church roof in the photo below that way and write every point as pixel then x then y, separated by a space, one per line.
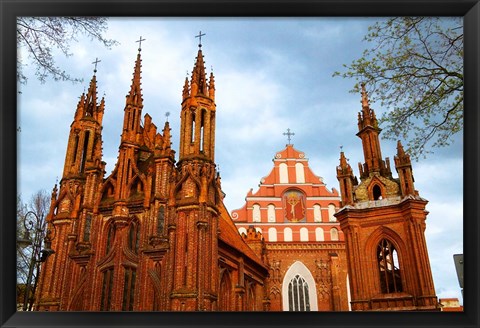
pixel 230 236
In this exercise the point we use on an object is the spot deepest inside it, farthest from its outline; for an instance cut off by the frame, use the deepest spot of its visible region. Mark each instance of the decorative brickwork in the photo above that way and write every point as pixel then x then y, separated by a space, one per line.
pixel 383 220
pixel 153 235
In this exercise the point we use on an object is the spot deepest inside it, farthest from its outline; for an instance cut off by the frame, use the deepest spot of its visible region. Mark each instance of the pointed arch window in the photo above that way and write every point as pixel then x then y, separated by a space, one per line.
pixel 107 288
pixel 377 192
pixel 298 297
pixel 134 236
pixel 225 292
pixel 110 238
pixel 389 268
pixel 129 289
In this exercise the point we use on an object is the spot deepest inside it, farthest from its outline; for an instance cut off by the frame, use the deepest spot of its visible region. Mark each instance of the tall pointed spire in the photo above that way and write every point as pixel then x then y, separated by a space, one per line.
pixel 198 112
pixel 134 97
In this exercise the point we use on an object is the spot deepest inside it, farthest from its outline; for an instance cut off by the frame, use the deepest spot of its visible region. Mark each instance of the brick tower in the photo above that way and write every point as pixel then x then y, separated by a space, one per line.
pixel 71 208
pixel 383 220
pixel 196 197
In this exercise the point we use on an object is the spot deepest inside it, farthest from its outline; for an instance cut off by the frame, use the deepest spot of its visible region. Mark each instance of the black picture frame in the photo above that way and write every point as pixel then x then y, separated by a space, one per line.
pixel 469 9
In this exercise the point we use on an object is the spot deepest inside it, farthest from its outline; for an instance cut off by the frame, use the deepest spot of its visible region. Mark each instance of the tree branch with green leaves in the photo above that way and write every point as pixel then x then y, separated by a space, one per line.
pixel 414 69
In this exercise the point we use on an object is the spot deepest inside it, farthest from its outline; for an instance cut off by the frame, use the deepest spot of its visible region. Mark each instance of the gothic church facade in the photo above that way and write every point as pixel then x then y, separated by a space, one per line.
pixel 155 235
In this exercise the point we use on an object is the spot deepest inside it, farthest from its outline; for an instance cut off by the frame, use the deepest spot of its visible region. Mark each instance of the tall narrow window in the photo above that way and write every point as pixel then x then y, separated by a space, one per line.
pixel 287 234
pixel 271 213
pixel 107 287
pixel 84 150
pixel 110 238
pixel 86 230
pixel 225 292
pixel 129 289
pixel 256 213
pixel 334 234
pixel 202 130
pixel 317 213
pixel 134 237
pixel 283 169
pixel 300 173
pixel 160 220
pixel 298 298
pixel 331 212
pixel 388 266
pixel 75 149
pixel 303 234
pixel 272 234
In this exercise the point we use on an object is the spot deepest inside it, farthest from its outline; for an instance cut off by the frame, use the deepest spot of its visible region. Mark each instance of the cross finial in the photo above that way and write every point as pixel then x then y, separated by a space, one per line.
pixel 167 114
pixel 341 148
pixel 199 36
pixel 95 62
pixel 140 43
pixel 288 134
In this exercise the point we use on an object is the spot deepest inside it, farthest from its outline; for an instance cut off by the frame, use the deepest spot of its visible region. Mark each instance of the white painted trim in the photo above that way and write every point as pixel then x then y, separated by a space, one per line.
pixel 300 269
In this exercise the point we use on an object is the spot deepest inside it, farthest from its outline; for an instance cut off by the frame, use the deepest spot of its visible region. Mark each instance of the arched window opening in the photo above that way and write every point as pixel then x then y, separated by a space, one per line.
pixel 272 234
pixel 75 149
pixel 271 213
pixel 298 298
pixel 225 292
pixel 303 234
pixel 300 173
pixel 107 288
pixel 389 269
pixel 377 192
pixel 319 236
pixel 84 150
pixel 134 237
pixel 129 289
pixel 192 131
pixel 287 234
pixel 331 212
pixel 160 220
pixel 334 234
pixel 283 173
pixel 256 213
pixel 110 238
pixel 86 230
pixel 202 130
pixel 317 213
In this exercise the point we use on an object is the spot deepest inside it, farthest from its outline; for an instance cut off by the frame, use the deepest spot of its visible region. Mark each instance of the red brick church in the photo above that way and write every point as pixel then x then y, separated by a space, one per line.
pixel 155 235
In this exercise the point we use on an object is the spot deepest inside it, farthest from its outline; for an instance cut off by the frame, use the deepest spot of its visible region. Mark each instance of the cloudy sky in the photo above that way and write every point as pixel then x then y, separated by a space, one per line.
pixel 271 74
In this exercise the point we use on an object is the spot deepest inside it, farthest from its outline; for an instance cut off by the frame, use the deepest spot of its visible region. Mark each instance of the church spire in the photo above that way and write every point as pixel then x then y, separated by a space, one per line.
pixel 198 112
pixel 369 133
pixel 134 97
pixel 346 179
pixel 134 102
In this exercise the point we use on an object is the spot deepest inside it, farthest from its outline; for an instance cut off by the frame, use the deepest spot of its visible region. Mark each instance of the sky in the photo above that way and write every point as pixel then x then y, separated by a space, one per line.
pixel 271 74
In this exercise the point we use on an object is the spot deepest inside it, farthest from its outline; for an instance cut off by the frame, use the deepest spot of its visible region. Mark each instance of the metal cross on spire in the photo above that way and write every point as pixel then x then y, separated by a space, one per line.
pixel 288 134
pixel 199 36
pixel 140 43
pixel 95 62
pixel 167 114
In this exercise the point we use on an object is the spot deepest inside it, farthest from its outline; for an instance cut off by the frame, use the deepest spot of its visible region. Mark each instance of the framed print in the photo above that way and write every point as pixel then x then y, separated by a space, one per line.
pixel 195 163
